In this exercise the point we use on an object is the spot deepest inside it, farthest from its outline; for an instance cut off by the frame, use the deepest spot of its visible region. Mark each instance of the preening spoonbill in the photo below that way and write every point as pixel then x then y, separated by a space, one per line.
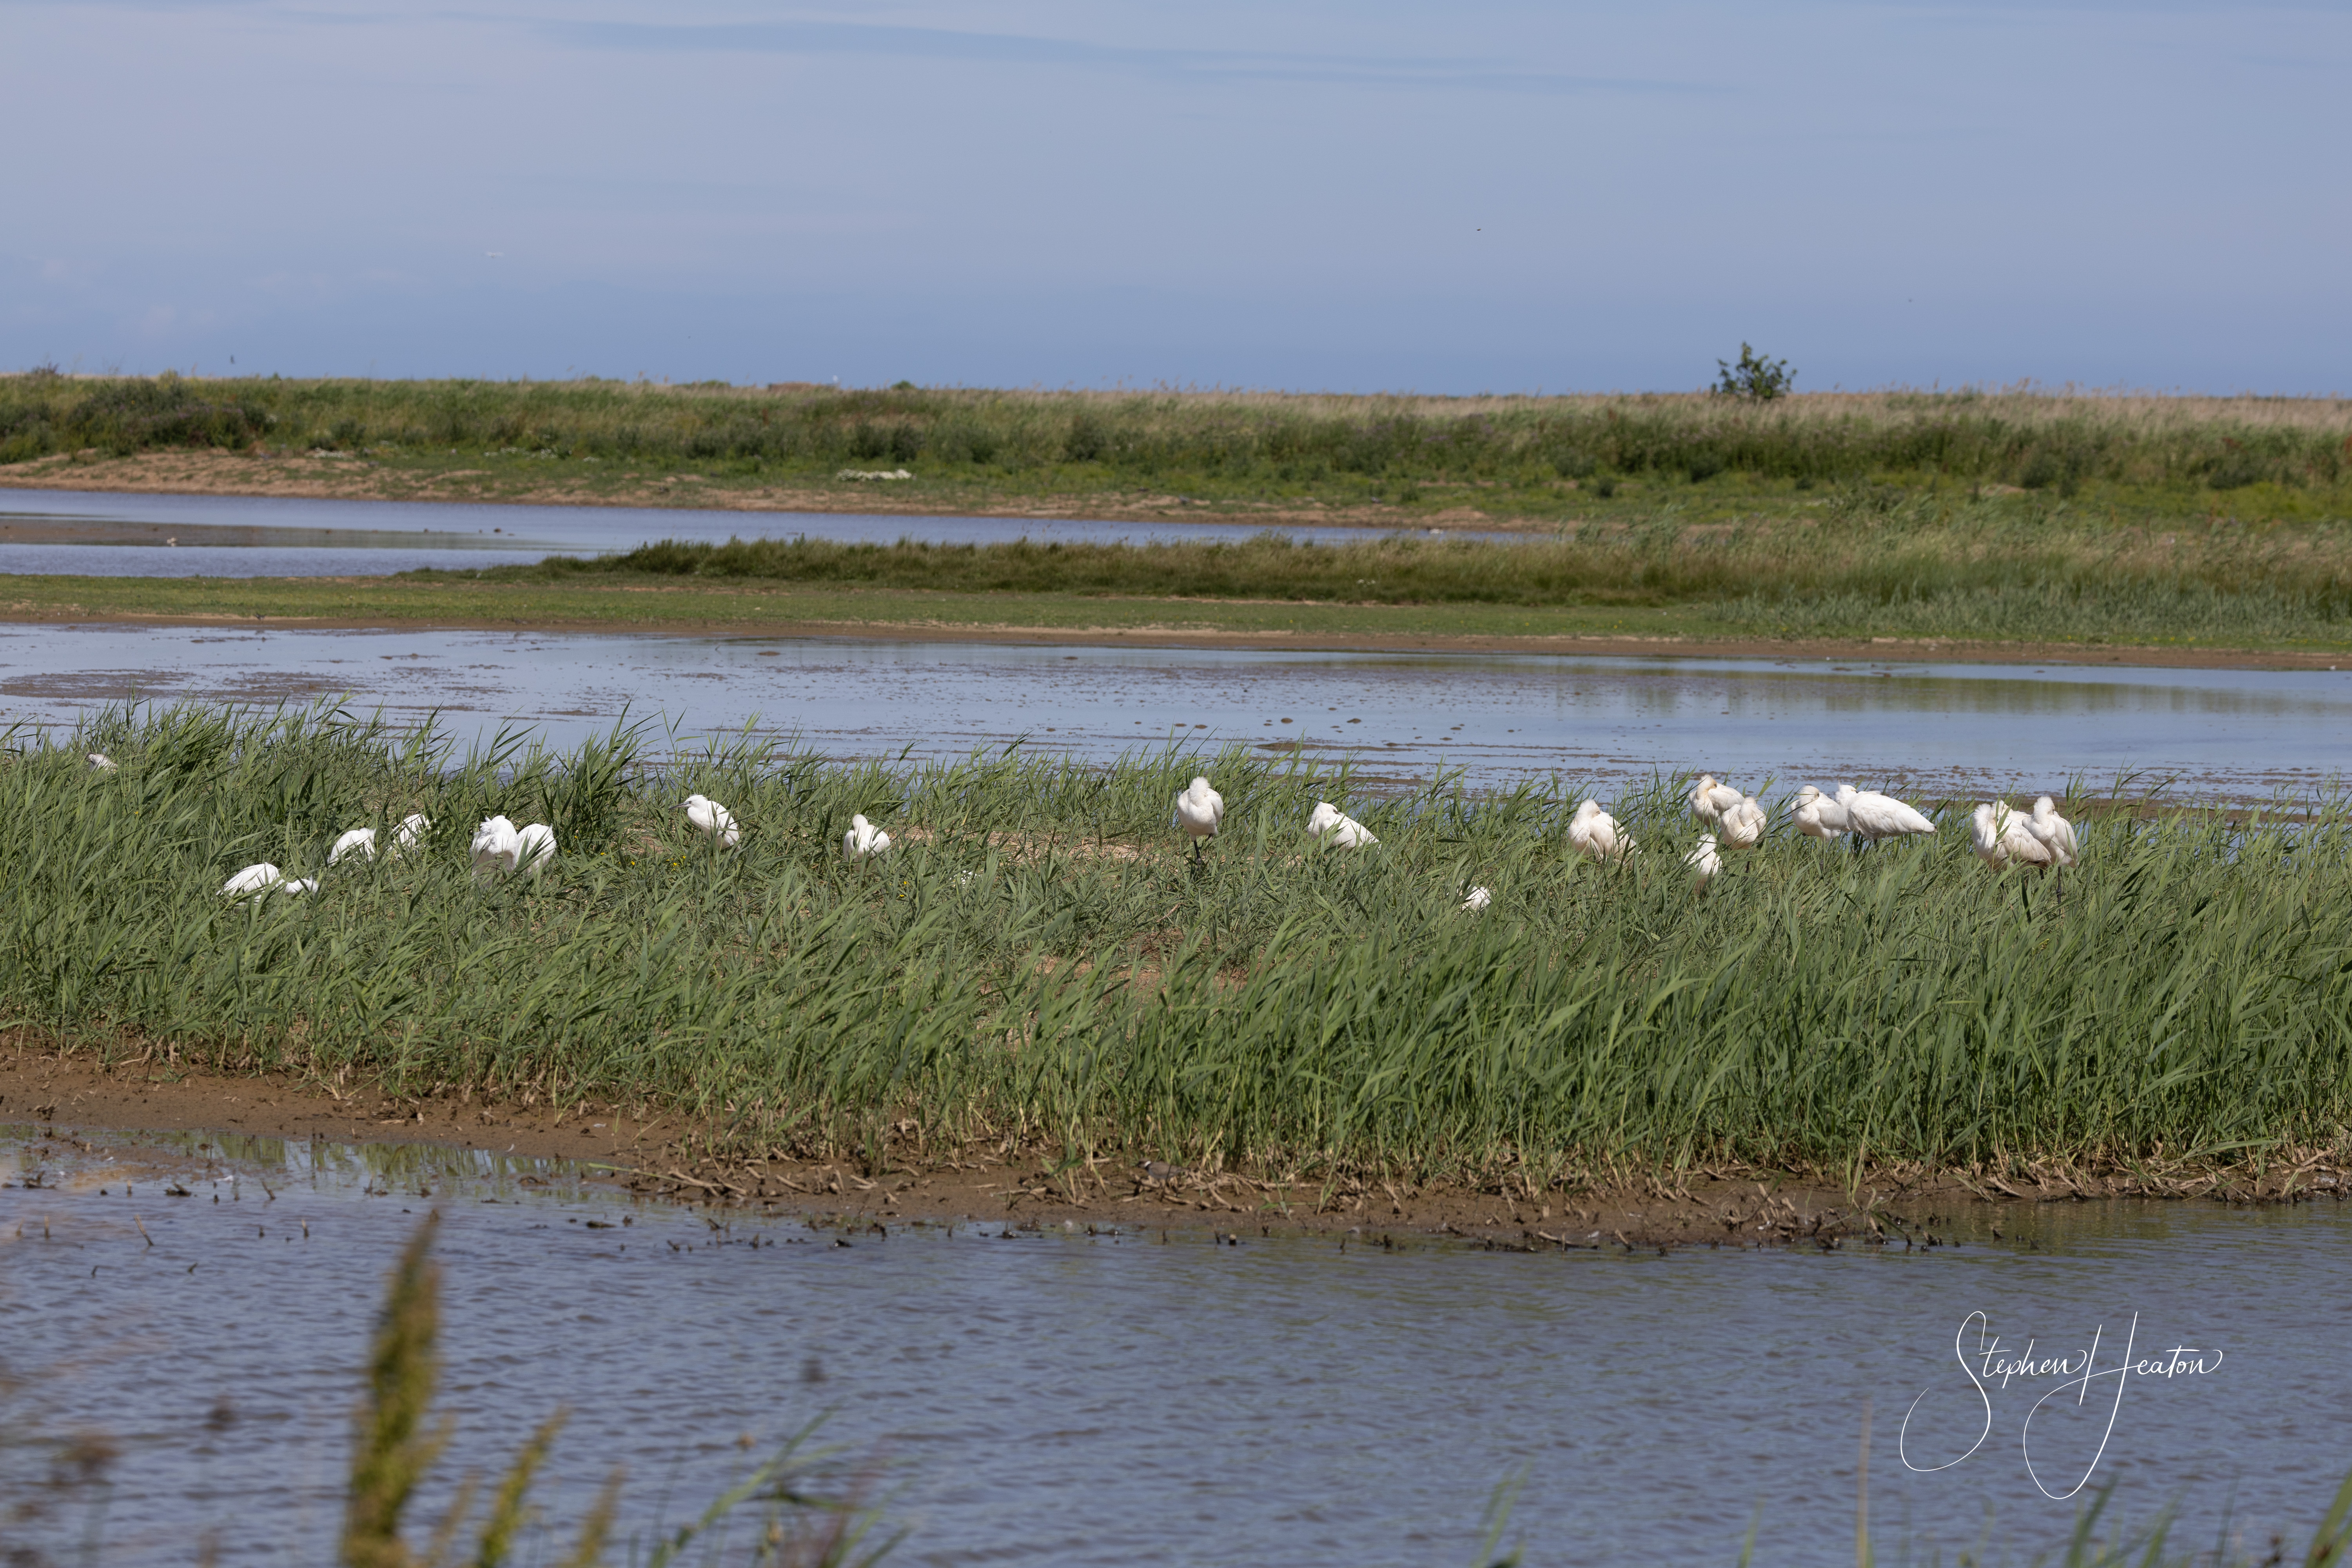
pixel 714 820
pixel 535 848
pixel 1200 811
pixel 1743 823
pixel 1704 861
pixel 100 763
pixel 409 834
pixel 1327 824
pixel 1870 816
pixel 496 847
pixel 2002 837
pixel 1595 834
pixel 359 841
pixel 1709 799
pixel 262 879
pixel 2055 831
pixel 1818 816
pixel 1478 900
pixel 864 839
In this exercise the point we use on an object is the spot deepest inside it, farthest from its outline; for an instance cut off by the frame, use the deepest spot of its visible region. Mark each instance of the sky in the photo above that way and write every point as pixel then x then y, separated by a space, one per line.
pixel 1479 196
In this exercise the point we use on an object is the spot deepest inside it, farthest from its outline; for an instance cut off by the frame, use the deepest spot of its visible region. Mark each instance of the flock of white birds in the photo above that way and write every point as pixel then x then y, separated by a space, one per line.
pixel 1734 820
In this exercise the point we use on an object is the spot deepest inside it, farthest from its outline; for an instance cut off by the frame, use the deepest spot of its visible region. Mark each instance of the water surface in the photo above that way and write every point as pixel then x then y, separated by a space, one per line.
pixel 1053 1397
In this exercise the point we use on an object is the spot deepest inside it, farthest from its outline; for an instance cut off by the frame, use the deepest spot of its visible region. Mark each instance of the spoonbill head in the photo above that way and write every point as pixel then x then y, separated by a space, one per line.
pixel 1330 825
pixel 1710 798
pixel 713 820
pixel 496 849
pixel 2055 831
pixel 358 842
pixel 1595 834
pixel 535 848
pixel 1743 823
pixel 864 839
pixel 1704 862
pixel 1871 817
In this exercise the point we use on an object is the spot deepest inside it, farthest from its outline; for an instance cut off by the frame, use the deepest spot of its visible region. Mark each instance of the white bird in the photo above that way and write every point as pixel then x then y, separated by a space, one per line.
pixel 1709 799
pixel 496 847
pixel 2055 831
pixel 2002 838
pixel 1595 834
pixel 1743 823
pixel 1818 816
pixel 409 834
pixel 1704 861
pixel 864 839
pixel 1871 817
pixel 535 848
pixel 1200 812
pixel 714 820
pixel 1332 827
pixel 359 841
pixel 1478 900
pixel 261 879
pixel 100 763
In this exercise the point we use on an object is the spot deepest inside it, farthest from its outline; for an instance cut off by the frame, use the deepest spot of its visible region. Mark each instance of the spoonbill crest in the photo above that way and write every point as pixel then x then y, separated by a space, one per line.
pixel 1478 900
pixel 1709 799
pixel 359 841
pixel 1594 833
pixel 1200 812
pixel 1743 823
pixel 1704 862
pixel 1871 817
pixel 1818 816
pixel 1332 827
pixel 714 820
pixel 864 839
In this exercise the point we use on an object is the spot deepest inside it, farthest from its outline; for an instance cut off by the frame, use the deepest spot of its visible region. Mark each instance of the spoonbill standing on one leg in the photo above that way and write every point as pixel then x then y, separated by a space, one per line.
pixel 1710 799
pixel 1818 816
pixel 1704 861
pixel 1595 834
pixel 714 820
pixel 1743 823
pixel 1200 811
pixel 1332 827
pixel 1871 817
pixel 2055 831
pixel 864 839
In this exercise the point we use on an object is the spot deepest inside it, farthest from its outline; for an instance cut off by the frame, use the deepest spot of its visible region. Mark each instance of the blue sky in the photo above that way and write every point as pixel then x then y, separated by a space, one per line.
pixel 1459 197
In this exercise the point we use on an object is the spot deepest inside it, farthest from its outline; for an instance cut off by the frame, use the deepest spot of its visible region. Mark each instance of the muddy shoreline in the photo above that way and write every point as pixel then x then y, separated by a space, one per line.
pixel 673 1157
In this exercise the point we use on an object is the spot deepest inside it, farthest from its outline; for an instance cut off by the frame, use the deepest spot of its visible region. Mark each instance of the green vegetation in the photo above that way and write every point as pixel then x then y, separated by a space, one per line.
pixel 1034 964
pixel 2131 457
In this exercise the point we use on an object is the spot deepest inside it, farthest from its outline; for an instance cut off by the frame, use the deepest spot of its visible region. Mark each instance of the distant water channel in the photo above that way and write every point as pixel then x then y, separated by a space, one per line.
pixel 81 533
pixel 1938 727
pixel 1060 1397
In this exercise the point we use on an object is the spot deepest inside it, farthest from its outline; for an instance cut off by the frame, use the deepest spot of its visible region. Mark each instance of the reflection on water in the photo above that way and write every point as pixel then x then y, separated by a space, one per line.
pixel 1957 730
pixel 76 533
pixel 1061 1396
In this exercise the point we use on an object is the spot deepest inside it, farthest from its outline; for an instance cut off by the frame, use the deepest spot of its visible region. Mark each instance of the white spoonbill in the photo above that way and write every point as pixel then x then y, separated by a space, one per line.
pixel 409 834
pixel 359 841
pixel 496 846
pixel 535 848
pixel 1478 900
pixel 864 839
pixel 1743 823
pixel 99 763
pixel 1328 826
pixel 714 820
pixel 1871 817
pixel 1704 862
pixel 1710 798
pixel 1200 811
pixel 1594 833
pixel 261 879
pixel 1818 816
pixel 2002 838
pixel 2055 831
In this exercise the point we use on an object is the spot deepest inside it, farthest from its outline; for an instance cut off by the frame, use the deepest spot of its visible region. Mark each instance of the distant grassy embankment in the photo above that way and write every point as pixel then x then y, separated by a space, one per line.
pixel 1372 459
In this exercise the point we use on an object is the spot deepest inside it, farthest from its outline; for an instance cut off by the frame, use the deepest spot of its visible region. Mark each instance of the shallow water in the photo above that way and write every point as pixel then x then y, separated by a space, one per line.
pixel 81 533
pixel 1060 1397
pixel 1939 728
